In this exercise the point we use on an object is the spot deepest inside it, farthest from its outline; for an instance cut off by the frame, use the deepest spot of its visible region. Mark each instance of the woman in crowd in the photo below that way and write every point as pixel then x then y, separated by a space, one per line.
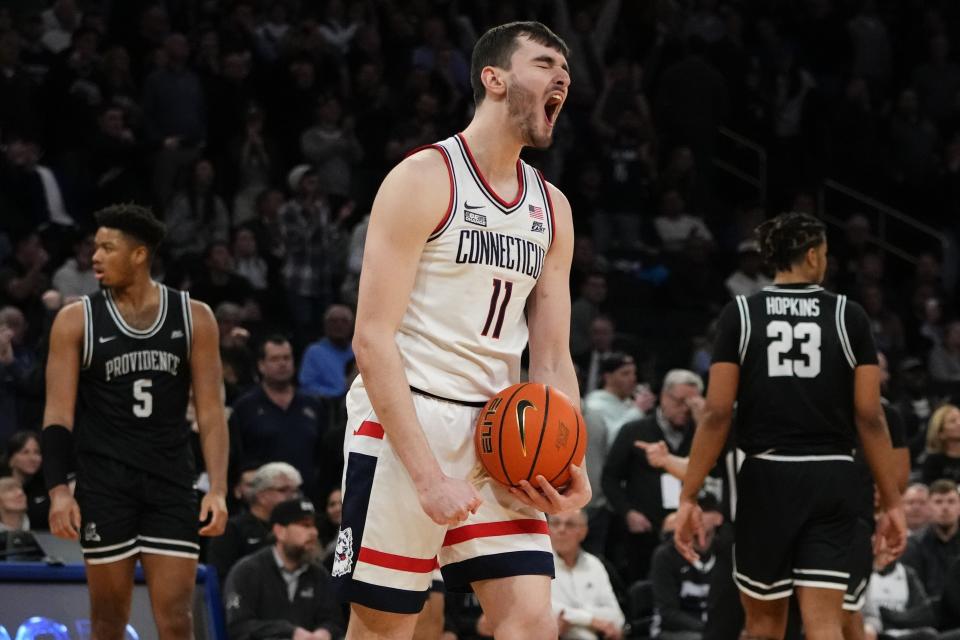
pixel 943 445
pixel 22 462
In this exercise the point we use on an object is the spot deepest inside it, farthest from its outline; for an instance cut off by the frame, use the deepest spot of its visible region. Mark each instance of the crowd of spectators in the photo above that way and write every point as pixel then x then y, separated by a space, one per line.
pixel 258 130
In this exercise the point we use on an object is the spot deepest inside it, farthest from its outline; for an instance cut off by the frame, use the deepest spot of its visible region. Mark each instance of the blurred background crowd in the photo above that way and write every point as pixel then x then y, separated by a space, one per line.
pixel 258 131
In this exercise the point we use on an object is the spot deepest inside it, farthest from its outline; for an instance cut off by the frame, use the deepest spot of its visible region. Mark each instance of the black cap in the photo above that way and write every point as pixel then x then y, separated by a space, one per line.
pixel 614 361
pixel 291 511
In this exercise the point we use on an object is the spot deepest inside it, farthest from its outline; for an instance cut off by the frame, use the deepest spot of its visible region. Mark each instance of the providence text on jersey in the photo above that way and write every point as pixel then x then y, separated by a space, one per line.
pixel 145 360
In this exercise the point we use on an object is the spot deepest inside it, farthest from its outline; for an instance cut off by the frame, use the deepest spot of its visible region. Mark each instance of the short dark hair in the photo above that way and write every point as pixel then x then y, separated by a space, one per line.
pixel 496 46
pixel 784 240
pixel 135 221
pixel 273 338
pixel 942 486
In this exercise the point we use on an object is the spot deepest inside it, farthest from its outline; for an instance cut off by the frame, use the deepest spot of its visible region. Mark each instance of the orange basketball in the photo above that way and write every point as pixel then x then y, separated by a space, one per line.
pixel 527 430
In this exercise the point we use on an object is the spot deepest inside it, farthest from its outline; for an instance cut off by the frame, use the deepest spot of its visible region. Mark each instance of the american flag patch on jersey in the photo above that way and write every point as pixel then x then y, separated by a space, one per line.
pixel 536 212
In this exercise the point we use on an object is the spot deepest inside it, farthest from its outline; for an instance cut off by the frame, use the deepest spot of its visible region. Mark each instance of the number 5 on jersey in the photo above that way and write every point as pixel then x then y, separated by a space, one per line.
pixel 784 336
pixel 143 407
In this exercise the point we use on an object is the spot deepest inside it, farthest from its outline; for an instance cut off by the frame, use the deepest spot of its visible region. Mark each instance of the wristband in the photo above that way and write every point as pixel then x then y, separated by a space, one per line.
pixel 56 447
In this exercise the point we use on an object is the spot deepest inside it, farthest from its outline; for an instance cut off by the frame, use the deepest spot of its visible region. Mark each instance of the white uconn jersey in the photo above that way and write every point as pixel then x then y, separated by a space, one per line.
pixel 464 331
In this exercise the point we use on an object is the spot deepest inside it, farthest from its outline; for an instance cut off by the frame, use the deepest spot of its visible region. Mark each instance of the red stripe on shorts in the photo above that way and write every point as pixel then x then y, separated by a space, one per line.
pixel 491 529
pixel 393 561
pixel 370 429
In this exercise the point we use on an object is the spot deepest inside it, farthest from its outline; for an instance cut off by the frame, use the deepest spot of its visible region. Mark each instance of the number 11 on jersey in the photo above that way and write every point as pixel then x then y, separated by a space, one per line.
pixel 507 288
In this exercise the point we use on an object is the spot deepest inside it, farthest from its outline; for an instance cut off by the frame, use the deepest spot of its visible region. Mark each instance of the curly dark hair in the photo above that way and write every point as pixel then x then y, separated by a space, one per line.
pixel 136 221
pixel 785 240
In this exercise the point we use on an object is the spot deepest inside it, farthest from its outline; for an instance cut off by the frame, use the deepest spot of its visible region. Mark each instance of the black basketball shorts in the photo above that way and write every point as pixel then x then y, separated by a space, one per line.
pixel 796 519
pixel 125 511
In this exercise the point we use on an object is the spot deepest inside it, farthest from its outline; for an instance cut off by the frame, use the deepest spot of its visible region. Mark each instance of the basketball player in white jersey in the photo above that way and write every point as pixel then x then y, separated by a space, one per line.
pixel 467 254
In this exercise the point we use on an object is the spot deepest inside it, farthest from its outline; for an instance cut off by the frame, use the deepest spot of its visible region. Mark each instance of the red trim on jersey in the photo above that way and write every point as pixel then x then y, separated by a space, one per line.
pixel 393 561
pixel 446 161
pixel 546 192
pixel 369 429
pixel 521 183
pixel 492 529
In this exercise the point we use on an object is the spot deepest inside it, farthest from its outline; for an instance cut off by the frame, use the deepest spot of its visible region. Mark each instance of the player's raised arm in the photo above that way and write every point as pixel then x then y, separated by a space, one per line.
pixel 63 373
pixel 207 375
pixel 408 207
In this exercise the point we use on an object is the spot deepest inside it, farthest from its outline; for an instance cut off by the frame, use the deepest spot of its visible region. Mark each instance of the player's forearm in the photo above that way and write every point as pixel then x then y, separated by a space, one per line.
pixel 215 444
pixel 556 370
pixel 708 443
pixel 381 367
pixel 877 449
pixel 676 466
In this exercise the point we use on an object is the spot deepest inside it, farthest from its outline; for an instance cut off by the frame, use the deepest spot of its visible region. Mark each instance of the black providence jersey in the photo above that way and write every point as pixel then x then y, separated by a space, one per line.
pixel 797 347
pixel 134 386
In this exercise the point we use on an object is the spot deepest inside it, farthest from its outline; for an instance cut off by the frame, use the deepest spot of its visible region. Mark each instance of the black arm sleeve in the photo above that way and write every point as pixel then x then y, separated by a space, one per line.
pixel 242 595
pixel 665 576
pixel 726 346
pixel 860 335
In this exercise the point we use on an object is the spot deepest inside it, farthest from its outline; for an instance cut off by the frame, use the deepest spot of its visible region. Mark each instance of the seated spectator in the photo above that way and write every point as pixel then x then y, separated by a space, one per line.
pixel 13 506
pixel 279 591
pixel 329 526
pixel 931 552
pixel 681 589
pixel 322 372
pixel 196 216
pixel 276 422
pixel 241 494
pixel 239 361
pixel 75 278
pixel 583 597
pixel 586 307
pixel 605 411
pixel 749 277
pixel 916 507
pixel 675 226
pixel 248 263
pixel 218 282
pixel 944 361
pixel 22 462
pixel 247 532
pixel 602 334
pixel 635 490
pixel 896 604
pixel 916 402
pixel 943 445
pixel 20 374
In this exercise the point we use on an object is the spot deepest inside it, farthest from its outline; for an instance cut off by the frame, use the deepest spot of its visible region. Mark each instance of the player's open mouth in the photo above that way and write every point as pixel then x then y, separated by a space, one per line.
pixel 552 108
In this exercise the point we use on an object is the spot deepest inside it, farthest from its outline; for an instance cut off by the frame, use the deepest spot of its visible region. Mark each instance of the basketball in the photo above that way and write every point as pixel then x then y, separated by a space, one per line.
pixel 530 429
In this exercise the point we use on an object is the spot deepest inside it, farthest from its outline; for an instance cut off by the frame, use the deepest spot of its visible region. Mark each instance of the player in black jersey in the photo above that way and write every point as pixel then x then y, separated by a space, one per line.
pixel 122 362
pixel 801 365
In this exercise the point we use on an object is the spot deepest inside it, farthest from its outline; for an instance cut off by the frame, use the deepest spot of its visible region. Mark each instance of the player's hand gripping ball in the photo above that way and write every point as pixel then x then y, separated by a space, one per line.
pixel 527 430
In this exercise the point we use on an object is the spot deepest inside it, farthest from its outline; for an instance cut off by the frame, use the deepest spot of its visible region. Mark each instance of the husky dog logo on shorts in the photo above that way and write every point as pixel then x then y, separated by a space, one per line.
pixel 343 554
pixel 90 532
